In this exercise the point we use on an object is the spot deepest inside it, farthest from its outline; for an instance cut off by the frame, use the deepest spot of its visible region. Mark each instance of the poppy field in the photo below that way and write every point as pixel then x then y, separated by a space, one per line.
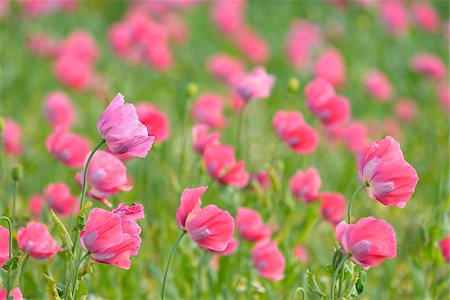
pixel 224 149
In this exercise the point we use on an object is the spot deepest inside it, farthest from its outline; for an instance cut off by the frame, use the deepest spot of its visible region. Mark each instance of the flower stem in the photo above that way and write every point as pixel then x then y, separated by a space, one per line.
pixel 172 252
pixel 349 210
pixel 73 276
pixel 302 291
pixel 10 227
pixel 15 192
pixel 336 272
pixel 239 130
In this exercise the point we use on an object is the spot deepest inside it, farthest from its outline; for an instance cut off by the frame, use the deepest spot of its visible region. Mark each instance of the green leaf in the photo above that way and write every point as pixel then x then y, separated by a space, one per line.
pixel 11 264
pixel 63 233
pixel 81 220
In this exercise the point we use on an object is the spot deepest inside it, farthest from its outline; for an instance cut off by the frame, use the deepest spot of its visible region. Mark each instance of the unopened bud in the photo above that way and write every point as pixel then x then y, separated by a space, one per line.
pixel 17 173
pixel 191 89
pixel 2 124
pixel 293 85
pixel 361 283
pixel 337 257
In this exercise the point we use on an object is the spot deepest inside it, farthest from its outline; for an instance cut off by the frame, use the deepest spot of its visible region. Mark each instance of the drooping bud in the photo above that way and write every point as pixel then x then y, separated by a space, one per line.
pixel 17 173
pixel 293 85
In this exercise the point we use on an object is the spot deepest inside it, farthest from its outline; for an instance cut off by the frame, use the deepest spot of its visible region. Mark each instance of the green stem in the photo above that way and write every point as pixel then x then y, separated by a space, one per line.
pixel 349 210
pixel 13 210
pixel 341 281
pixel 336 272
pixel 239 130
pixel 302 291
pixel 10 227
pixel 172 252
pixel 73 276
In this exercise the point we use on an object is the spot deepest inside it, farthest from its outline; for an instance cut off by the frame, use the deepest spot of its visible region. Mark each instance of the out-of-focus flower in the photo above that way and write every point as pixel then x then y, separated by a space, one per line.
pixel 68 148
pixel 80 44
pixel 252 45
pixel 112 237
pixel 36 241
pixel 11 138
pixel 255 85
pixel 387 176
pixel 42 44
pixel 226 68
pixel 122 130
pixel 250 226
pixel 222 166
pixel 305 185
pixel 332 207
pixel 230 249
pixel 290 128
pixel 406 110
pixel 261 178
pixel 378 86
pixel 201 139
pixel 59 111
pixel 331 66
pixel 444 245
pixel 368 242
pixel 429 65
pixel 228 16
pixel 269 261
pixel 4 247
pixel 301 254
pixel 443 95
pixel 36 8
pixel 155 120
pixel 73 72
pixel 426 17
pixel 16 294
pixel 60 200
pixel 208 110
pixel 106 176
pixel 35 205
pixel 394 16
pixel 303 38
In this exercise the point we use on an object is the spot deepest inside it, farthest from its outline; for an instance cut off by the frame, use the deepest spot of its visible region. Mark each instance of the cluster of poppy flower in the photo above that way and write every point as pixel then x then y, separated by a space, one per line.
pixel 113 236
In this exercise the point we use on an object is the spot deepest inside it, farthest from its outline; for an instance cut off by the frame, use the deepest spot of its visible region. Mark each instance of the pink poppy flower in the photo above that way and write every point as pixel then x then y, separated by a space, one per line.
pixel 68 148
pixel 302 40
pixel 394 16
pixel 81 44
pixel 211 228
pixel 228 16
pixel 230 249
pixel 190 203
pixel 443 95
pixel 250 226
pixel 177 29
pixel 15 293
pixel 305 185
pixel 43 45
pixel 389 178
pixel 334 111
pixel 356 137
pixel 426 16
pixel 301 254
pixel 59 111
pixel 208 110
pixel 11 138
pixel 332 207
pixel 4 247
pixel 444 245
pixel 429 65
pixel 155 120
pixel 368 242
pixel 120 127
pixel 73 72
pixel 36 241
pixel 269 261
pixel 201 139
pixel 318 92
pixel 112 237
pixel 255 85
pixel 330 66
pixel 4 8
pixel 60 200
pixel 106 176
pixel 35 205
pixel 222 166
pixel 226 68
pixel 261 178
pixel 406 110
pixel 378 86
pixel 291 129
pixel 252 45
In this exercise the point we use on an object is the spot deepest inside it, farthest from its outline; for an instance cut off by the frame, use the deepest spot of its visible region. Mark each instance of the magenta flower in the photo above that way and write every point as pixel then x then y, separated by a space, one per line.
pixel 59 111
pixel 317 93
pixel 252 45
pixel 332 207
pixel 4 247
pixel 15 293
pixel 201 139
pixel 290 128
pixel 11 138
pixel 255 85
pixel 106 176
pixel 389 178
pixel 305 185
pixel 230 249
pixel 331 66
pixel 120 127
pixel 226 68
pixel 35 205
pixel 36 241
pixel 112 237
pixel 378 86
pixel 74 72
pixel 208 110
pixel 155 120
pixel 426 16
pixel 250 226
pixel 301 254
pixel 368 242
pixel 429 65
pixel 406 109
pixel 68 148
pixel 60 200
pixel 269 261
pixel 444 245
pixel 221 165
pixel 303 38
pixel 190 202
pixel 394 16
